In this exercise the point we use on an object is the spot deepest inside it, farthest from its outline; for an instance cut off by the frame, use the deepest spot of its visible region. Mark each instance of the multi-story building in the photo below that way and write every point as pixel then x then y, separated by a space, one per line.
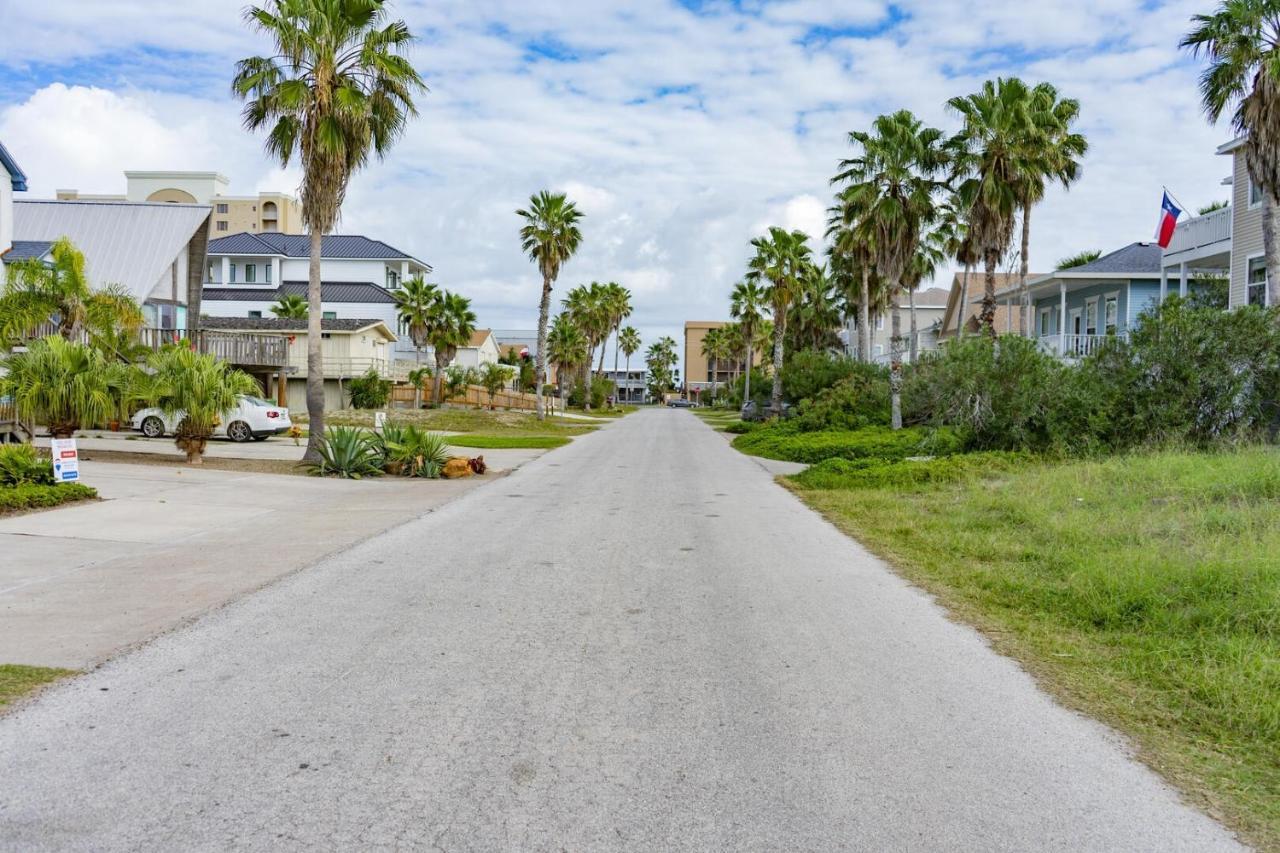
pixel 931 307
pixel 698 374
pixel 261 213
pixel 630 386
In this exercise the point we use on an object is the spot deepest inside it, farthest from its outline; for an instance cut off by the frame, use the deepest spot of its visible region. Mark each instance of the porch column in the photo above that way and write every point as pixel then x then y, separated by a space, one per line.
pixel 404 271
pixel 1062 318
pixel 1182 279
pixel 275 273
pixel 282 390
pixel 226 271
pixel 1164 282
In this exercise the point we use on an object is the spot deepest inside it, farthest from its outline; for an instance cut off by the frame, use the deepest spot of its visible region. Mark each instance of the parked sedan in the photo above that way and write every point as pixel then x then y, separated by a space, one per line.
pixel 254 418
pixel 680 403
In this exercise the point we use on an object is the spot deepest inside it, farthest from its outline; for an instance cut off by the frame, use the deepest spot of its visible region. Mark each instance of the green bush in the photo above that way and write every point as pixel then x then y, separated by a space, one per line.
pixel 782 441
pixel 858 400
pixel 21 465
pixel 348 452
pixel 601 389
pixel 744 427
pixel 905 473
pixel 808 372
pixel 37 496
pixel 369 391
pixel 414 452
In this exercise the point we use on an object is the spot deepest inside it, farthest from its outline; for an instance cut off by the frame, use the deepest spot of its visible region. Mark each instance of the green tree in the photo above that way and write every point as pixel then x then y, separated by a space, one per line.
pixel 589 307
pixel 619 301
pixel 629 342
pixel 415 306
pixel 1079 259
pixel 65 385
pixel 660 359
pixel 290 306
pixel 566 349
pixel 493 377
pixel 550 236
pixel 36 292
pixel 452 324
pixel 337 89
pixel 199 387
pixel 780 260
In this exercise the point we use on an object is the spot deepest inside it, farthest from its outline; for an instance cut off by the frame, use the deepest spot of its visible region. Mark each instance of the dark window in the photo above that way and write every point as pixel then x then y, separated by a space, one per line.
pixel 329 315
pixel 222 225
pixel 222 208
pixel 250 273
pixel 255 314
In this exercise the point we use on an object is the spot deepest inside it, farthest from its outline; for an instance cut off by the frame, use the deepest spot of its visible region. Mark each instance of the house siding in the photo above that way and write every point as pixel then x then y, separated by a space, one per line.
pixel 1144 295
pixel 1246 230
pixel 1080 295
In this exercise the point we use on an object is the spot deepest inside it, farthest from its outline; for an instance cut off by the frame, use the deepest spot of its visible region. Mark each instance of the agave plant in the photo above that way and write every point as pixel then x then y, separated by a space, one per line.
pixel 417 452
pixel 347 452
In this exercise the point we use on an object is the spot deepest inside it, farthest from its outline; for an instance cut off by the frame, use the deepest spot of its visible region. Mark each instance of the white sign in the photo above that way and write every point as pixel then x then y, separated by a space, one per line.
pixel 379 421
pixel 66 460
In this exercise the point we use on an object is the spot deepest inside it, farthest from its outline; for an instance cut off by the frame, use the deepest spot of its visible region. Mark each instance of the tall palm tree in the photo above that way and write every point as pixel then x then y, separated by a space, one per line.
pixel 452 324
pixel 814 319
pixel 893 182
pixel 36 292
pixel 931 252
pixel 550 236
pixel 1241 41
pixel 337 89
pixel 566 349
pixel 290 306
pixel 748 304
pixel 990 165
pixel 780 260
pixel 619 300
pixel 713 345
pixel 629 342
pixel 853 242
pixel 416 302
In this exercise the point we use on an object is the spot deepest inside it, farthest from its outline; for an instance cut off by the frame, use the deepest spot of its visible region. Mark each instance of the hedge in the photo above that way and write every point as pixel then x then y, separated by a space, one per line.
pixel 869 473
pixel 29 496
pixel 781 442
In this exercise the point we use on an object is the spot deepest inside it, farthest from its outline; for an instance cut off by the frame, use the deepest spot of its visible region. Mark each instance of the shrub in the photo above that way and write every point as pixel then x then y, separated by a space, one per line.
pixel 781 441
pixel 744 427
pixel 601 388
pixel 349 453
pixel 414 452
pixel 905 473
pixel 199 386
pixel 65 386
pixel 806 373
pixel 370 391
pixel 858 400
pixel 36 496
pixel 21 465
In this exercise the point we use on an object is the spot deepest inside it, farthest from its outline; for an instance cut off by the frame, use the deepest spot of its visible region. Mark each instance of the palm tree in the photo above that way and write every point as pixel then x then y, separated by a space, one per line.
pixel 290 306
pixel 452 323
pixel 930 253
pixel 892 181
pixel 550 236
pixel 990 162
pixel 1241 40
pixel 1079 259
pixel 853 242
pixel 660 358
pixel 814 319
pixel 780 260
pixel 629 341
pixel 337 89
pixel 64 385
pixel 748 305
pixel 589 305
pixel 713 346
pixel 416 303
pixel 566 349
pixel 199 387
pixel 619 300
pixel 37 292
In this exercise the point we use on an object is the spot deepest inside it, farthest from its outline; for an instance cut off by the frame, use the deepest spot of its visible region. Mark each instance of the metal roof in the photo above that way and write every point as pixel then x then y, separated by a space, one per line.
pixel 299 246
pixel 330 291
pixel 1136 258
pixel 126 243
pixel 25 249
pixel 278 324
pixel 17 178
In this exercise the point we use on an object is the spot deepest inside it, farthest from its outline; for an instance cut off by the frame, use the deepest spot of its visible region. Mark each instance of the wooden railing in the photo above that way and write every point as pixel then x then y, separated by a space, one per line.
pixel 244 349
pixel 10 425
pixel 474 395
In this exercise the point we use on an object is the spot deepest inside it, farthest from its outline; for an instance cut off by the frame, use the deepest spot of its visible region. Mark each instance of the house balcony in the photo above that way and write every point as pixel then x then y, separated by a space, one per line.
pixel 242 349
pixel 1076 346
pixel 1202 241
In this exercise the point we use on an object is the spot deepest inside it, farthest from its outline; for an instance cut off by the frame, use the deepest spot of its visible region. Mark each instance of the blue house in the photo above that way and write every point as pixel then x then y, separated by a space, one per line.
pixel 1074 310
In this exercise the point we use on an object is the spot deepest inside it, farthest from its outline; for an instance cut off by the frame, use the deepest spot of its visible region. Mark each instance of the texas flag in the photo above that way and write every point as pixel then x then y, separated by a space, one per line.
pixel 1169 213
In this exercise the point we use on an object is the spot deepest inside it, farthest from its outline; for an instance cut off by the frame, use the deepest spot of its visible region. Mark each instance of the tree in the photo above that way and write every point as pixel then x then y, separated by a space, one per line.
pixel 714 349
pixel 198 387
pixel 1241 41
pixel 550 236
pixel 780 260
pixel 290 306
pixel 591 311
pixel 853 257
pixel 493 377
pixel 660 359
pixel 416 302
pixel 37 292
pixel 64 385
pixel 748 305
pixel 619 300
pixel 452 323
pixel 814 319
pixel 337 89
pixel 1079 259
pixel 629 341
pixel 930 253
pixel 566 349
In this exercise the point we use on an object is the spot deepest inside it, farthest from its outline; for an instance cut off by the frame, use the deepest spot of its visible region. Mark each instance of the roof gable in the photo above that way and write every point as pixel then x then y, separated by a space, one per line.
pixel 17 178
pixel 1135 258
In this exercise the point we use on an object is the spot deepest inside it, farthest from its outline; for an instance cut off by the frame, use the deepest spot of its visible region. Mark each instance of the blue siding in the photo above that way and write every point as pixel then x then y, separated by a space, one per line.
pixel 1080 295
pixel 1143 295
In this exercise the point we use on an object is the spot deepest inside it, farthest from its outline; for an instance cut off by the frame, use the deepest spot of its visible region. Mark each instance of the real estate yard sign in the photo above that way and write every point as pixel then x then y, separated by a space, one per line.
pixel 66 460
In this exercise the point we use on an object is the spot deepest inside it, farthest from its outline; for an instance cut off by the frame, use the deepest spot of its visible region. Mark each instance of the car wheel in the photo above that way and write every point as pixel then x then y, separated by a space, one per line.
pixel 239 431
pixel 152 427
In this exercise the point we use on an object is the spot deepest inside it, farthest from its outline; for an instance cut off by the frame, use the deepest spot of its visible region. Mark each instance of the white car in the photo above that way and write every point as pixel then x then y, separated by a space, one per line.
pixel 254 418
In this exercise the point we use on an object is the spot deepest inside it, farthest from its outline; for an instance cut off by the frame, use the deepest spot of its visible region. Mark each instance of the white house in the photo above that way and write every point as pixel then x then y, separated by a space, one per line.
pixel 246 273
pixel 481 350
pixel 13 180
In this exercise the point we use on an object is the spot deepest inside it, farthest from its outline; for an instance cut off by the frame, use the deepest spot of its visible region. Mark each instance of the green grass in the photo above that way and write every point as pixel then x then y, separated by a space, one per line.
pixel 1144 590
pixel 784 442
pixel 16 680
pixel 615 412
pixel 31 496
pixel 508 442
pixel 464 420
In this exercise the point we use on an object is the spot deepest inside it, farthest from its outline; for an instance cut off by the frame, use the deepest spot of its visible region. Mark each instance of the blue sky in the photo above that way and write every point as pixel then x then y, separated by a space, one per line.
pixel 683 129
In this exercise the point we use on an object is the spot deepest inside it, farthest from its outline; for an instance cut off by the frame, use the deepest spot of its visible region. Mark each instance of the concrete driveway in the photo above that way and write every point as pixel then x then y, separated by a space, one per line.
pixel 639 642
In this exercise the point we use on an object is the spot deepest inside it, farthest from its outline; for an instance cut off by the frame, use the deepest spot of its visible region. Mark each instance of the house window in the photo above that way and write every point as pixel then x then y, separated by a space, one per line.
pixel 1091 317
pixel 222 225
pixel 222 208
pixel 266 273
pixel 232 279
pixel 1256 284
pixel 257 314
pixel 167 316
pixel 250 273
pixel 1112 314
pixel 210 276
pixel 1255 194
pixel 1044 322
pixel 393 279
pixel 329 315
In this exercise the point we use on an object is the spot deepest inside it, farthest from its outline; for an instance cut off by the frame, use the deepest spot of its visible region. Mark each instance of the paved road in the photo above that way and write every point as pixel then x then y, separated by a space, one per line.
pixel 638 642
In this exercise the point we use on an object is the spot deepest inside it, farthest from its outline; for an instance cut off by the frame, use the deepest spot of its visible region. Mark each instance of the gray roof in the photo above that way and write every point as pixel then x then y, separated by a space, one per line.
pixel 276 324
pixel 126 243
pixel 299 246
pixel 25 249
pixel 330 291
pixel 1141 258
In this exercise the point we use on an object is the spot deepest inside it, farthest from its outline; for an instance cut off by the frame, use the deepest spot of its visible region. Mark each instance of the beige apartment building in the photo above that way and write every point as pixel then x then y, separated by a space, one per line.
pixel 697 369
pixel 232 214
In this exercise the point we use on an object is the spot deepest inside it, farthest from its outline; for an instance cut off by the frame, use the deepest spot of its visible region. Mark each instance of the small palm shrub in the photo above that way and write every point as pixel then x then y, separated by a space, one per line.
pixel 414 452
pixel 200 386
pixel 369 391
pixel 65 385
pixel 21 465
pixel 349 453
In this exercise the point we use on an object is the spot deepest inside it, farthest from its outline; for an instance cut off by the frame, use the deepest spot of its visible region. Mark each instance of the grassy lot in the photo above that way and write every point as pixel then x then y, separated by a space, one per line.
pixel 30 496
pixel 508 442
pixel 17 680
pixel 717 419
pixel 462 420
pixel 1144 590
pixel 615 412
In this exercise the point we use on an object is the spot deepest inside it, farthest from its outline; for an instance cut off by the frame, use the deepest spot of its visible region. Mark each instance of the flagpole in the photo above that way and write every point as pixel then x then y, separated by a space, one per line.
pixel 1176 200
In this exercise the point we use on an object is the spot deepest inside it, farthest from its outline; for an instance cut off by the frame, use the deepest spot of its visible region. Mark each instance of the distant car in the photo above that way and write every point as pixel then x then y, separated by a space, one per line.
pixel 679 403
pixel 254 418
pixel 752 412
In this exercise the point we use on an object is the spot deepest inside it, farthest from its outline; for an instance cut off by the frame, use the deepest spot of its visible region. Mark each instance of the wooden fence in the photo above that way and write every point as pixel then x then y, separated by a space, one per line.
pixel 475 396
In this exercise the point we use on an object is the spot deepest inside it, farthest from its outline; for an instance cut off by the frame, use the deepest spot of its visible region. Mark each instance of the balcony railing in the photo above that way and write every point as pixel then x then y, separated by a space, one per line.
pixel 1076 346
pixel 1201 231
pixel 243 349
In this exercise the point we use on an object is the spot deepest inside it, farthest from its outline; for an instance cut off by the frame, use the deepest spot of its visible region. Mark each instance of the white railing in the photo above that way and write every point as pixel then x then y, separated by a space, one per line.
pixel 1075 346
pixel 1201 231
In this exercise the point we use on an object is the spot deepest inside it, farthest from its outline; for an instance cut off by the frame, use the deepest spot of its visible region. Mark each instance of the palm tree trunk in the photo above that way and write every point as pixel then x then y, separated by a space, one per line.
pixel 962 319
pixel 911 296
pixel 746 388
pixel 895 365
pixel 417 385
pixel 864 315
pixel 628 379
pixel 779 329
pixel 987 319
pixel 604 345
pixel 544 308
pixel 1271 248
pixel 1024 296
pixel 315 354
pixel 437 384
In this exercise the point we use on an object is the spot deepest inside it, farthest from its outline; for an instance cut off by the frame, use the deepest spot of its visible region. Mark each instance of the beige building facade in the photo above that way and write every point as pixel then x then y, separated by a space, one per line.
pixel 697 368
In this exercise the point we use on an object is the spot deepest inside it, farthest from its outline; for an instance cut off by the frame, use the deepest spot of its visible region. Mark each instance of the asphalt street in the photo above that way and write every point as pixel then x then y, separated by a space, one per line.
pixel 637 642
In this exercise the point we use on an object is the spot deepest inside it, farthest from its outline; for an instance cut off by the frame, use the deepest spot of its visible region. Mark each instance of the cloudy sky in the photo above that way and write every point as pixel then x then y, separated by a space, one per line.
pixel 682 129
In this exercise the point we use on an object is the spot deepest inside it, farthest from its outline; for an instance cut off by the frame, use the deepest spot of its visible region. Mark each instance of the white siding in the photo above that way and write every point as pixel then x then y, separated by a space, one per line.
pixel 1246 229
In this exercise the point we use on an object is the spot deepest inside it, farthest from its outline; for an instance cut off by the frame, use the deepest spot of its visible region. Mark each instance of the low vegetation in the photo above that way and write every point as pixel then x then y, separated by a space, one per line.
pixel 508 442
pixel 782 441
pixel 17 680
pixel 1140 588
pixel 404 450
pixel 465 421
pixel 31 496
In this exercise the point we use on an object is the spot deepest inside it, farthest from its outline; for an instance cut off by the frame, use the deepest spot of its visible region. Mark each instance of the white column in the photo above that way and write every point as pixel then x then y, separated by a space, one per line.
pixel 1062 317
pixel 1164 282
pixel 404 271
pixel 275 272
pixel 226 270
pixel 1182 279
